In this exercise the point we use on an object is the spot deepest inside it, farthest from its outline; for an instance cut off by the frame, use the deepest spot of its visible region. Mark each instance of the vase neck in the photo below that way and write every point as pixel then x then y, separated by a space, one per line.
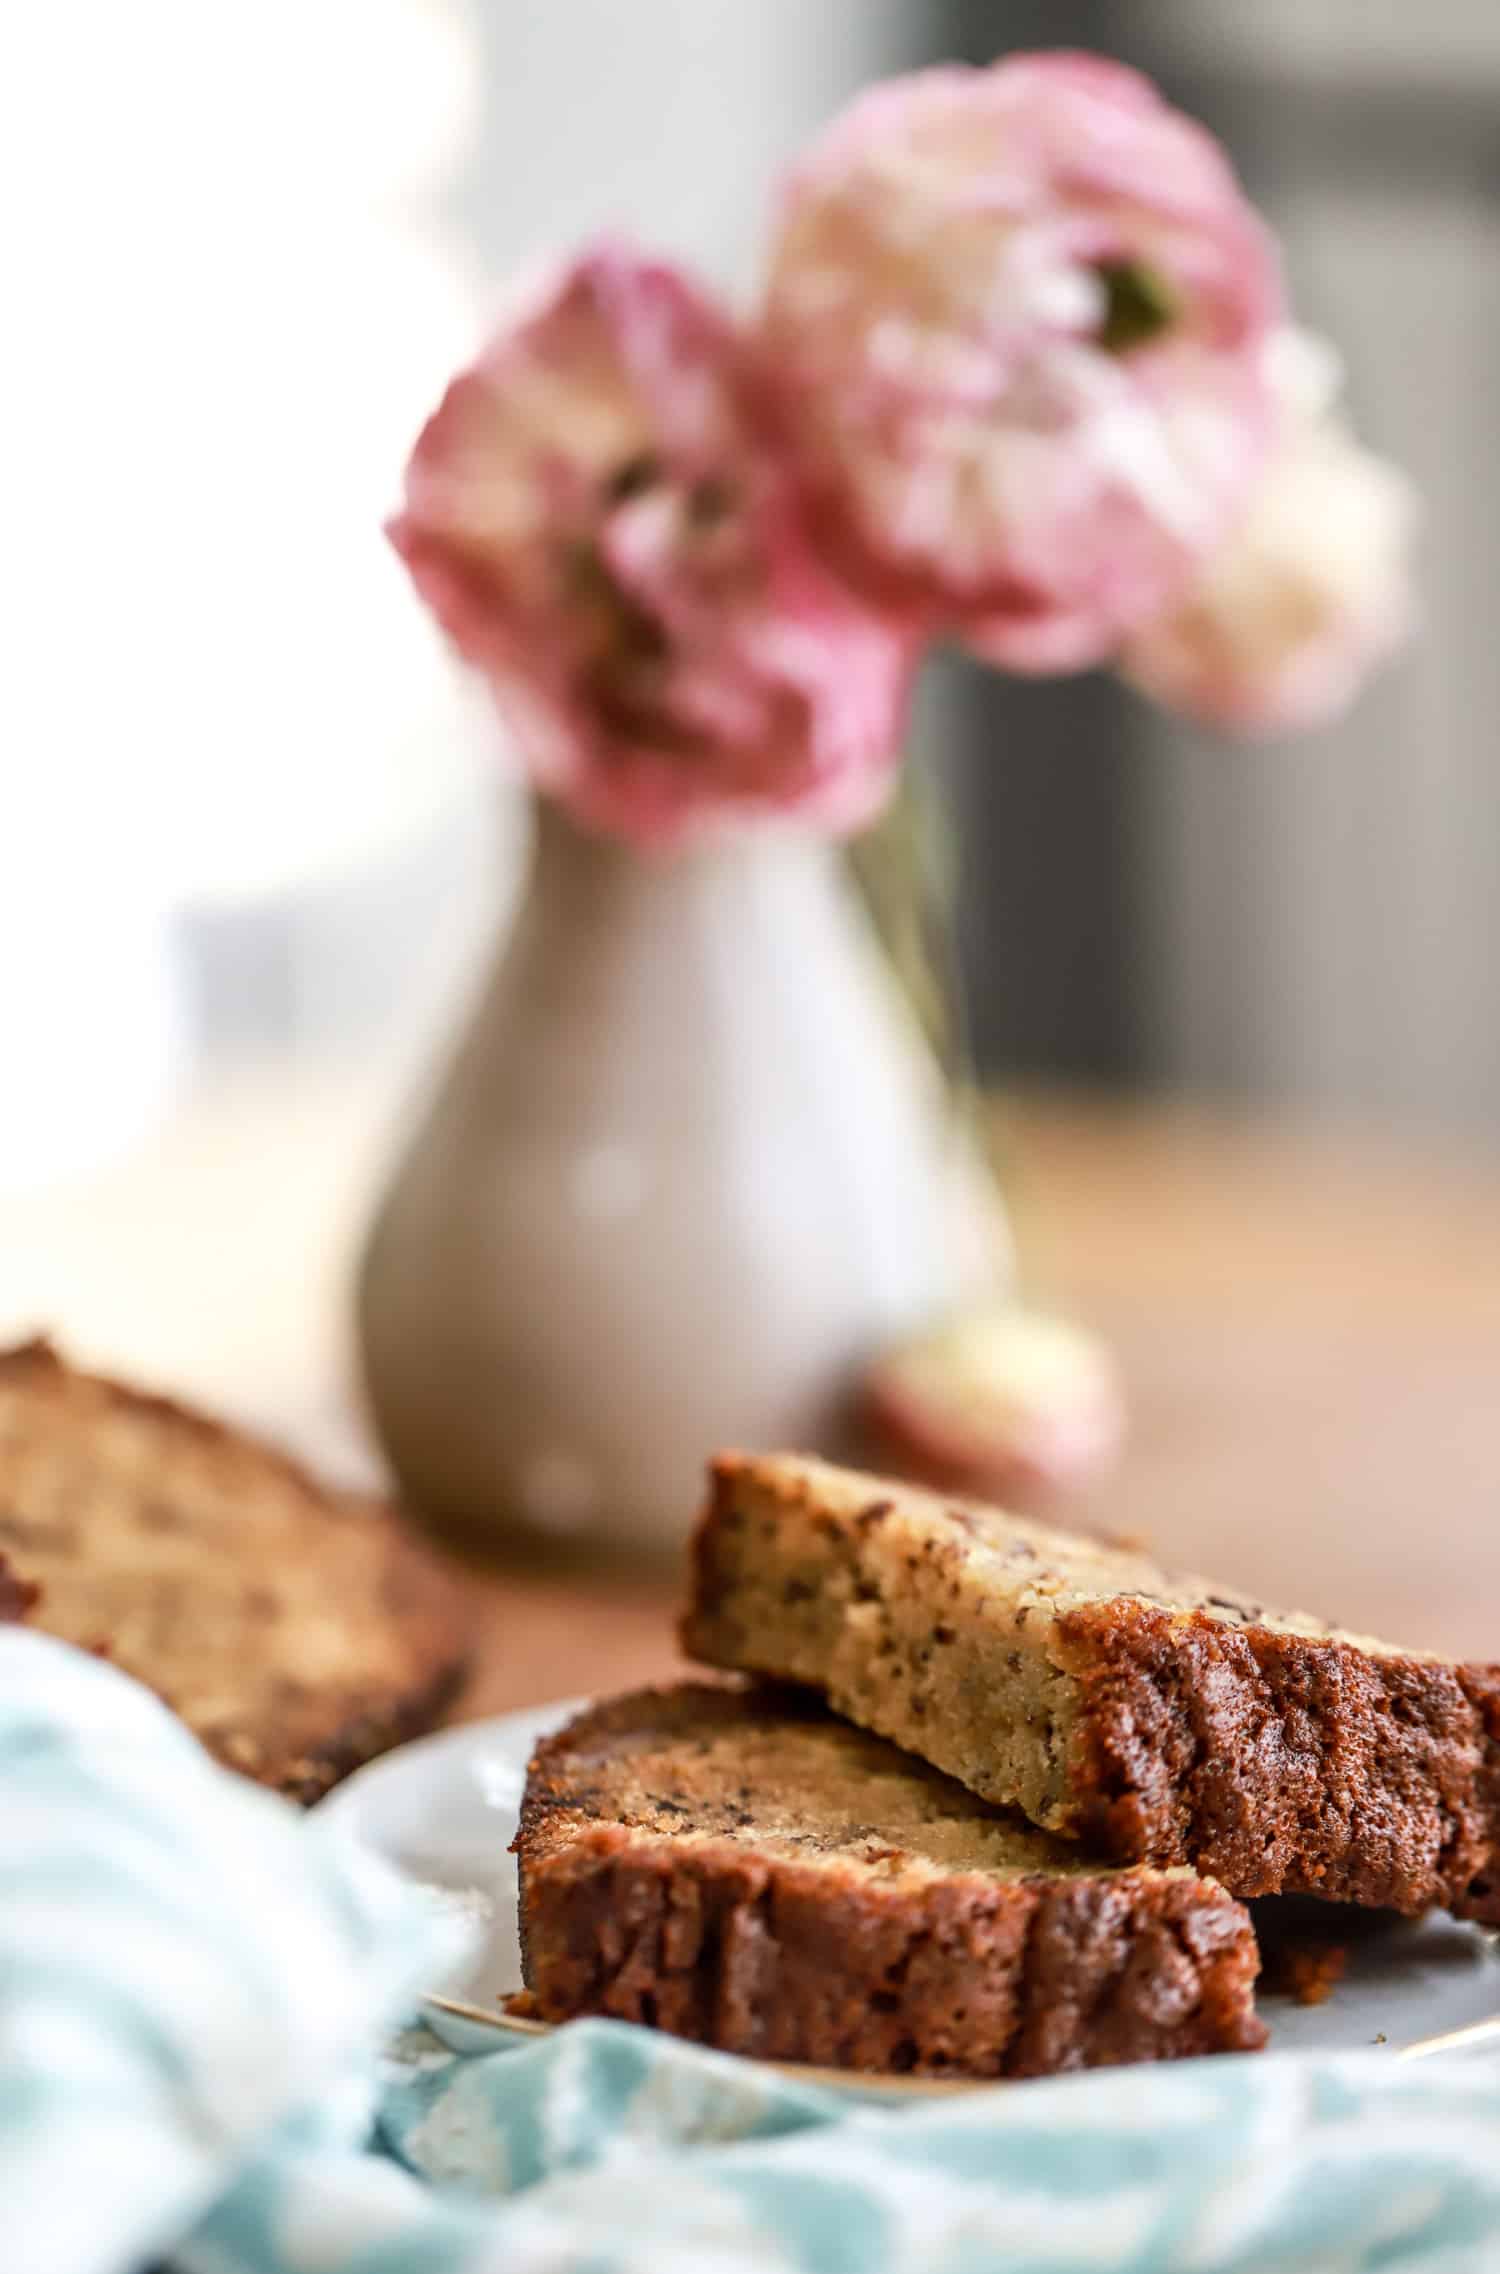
pixel 572 862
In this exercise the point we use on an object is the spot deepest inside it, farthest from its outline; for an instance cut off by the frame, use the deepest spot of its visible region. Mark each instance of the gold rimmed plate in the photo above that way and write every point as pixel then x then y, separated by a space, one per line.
pixel 443 1811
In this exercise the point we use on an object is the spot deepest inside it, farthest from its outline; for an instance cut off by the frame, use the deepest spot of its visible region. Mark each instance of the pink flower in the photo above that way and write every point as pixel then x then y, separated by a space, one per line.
pixel 1311 591
pixel 1018 313
pixel 599 517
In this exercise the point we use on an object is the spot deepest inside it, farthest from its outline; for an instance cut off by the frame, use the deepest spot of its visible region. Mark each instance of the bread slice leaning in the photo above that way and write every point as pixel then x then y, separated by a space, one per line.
pixel 738 1867
pixel 1154 1715
pixel 297 1630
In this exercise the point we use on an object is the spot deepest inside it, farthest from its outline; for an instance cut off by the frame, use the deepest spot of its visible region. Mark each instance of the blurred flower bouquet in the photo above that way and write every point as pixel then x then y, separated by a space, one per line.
pixel 1022 376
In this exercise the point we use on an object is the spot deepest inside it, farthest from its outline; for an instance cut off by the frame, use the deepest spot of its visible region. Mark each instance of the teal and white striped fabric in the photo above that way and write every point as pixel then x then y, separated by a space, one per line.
pixel 195 1984
pixel 186 1966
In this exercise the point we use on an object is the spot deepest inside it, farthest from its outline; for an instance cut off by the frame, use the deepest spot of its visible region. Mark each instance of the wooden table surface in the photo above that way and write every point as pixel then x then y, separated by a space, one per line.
pixel 1309 1327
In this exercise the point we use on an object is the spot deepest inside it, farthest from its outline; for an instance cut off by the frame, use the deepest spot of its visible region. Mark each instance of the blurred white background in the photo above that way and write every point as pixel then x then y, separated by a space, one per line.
pixel 234 300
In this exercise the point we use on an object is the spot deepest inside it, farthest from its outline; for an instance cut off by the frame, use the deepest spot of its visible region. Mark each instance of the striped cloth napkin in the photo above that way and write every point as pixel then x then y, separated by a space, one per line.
pixel 198 1989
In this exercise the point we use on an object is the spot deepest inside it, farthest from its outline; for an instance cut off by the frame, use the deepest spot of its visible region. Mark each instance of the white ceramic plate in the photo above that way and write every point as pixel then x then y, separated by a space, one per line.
pixel 443 1811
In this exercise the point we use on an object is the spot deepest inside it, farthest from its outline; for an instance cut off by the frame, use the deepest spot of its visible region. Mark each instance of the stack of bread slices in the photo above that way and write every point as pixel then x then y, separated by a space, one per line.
pixel 979 1798
pixel 988 1798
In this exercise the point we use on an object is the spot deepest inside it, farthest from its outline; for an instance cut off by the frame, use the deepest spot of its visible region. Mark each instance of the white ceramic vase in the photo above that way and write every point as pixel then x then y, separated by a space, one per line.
pixel 689 1167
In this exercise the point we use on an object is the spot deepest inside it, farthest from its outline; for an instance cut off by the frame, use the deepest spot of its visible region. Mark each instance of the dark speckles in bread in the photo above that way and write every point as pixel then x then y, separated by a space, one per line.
pixel 741 1868
pixel 1154 1715
pixel 297 1630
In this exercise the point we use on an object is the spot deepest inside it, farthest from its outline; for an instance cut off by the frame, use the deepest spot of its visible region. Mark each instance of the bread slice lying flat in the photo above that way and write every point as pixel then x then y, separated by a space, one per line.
pixel 296 1630
pixel 1157 1717
pixel 741 1868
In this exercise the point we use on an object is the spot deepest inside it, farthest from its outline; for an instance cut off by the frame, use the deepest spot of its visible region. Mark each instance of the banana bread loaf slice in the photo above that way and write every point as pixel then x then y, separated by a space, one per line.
pixel 297 1630
pixel 1157 1717
pixel 738 1867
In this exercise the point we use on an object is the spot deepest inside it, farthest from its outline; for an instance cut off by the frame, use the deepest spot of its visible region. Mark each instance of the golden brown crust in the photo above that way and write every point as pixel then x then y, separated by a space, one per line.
pixel 1160 1720
pixel 297 1629
pixel 1280 1764
pixel 1480 1899
pixel 837 1962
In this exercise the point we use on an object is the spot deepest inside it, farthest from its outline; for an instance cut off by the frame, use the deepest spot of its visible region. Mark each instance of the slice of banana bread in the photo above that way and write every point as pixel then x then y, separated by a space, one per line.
pixel 738 1867
pixel 1154 1716
pixel 296 1630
